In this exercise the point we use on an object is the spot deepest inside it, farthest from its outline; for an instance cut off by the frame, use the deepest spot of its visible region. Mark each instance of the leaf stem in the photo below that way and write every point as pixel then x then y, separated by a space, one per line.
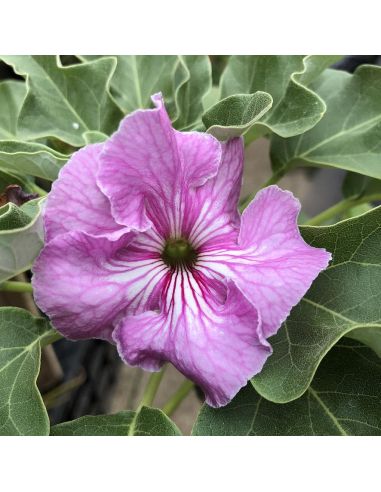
pixel 12 286
pixel 178 397
pixel 51 397
pixel 151 389
pixel 50 337
pixel 37 189
pixel 341 207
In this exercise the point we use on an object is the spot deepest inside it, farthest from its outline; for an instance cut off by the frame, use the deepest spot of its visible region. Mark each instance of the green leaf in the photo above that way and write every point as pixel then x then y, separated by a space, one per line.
pixel 12 94
pixel 296 108
pixel 212 97
pixel 7 178
pixel 138 77
pixel 354 185
pixel 94 137
pixel 31 158
pixel 12 217
pixel 358 186
pixel 184 81
pixel 22 411
pixel 65 102
pixel 314 66
pixel 346 296
pixel 368 336
pixel 235 115
pixel 21 237
pixel 192 83
pixel 349 135
pixel 344 399
pixel 147 422
pixel 363 191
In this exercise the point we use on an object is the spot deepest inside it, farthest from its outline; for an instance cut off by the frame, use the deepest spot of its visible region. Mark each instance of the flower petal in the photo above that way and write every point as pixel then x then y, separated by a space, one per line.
pixel 272 265
pixel 84 284
pixel 200 155
pixel 218 345
pixel 141 162
pixel 211 217
pixel 75 202
pixel 146 165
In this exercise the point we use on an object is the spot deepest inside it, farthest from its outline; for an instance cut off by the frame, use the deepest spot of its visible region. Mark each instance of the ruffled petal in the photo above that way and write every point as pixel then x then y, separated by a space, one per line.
pixel 143 172
pixel 272 264
pixel 211 217
pixel 215 342
pixel 75 202
pixel 200 156
pixel 85 284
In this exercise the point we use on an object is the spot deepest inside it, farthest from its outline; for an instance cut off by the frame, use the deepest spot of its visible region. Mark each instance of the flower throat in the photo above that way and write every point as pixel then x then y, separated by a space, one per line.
pixel 178 253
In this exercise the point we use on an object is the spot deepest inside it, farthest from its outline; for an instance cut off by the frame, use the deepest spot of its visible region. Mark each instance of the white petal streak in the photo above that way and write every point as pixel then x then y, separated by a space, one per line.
pixel 140 279
pixel 188 299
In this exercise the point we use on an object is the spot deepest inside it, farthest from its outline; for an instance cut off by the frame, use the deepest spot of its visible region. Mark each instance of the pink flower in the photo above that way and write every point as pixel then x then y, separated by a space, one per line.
pixel 145 247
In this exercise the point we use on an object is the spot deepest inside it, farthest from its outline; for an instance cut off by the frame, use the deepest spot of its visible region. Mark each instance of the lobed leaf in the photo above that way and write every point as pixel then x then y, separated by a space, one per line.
pixel 21 237
pixel 345 297
pixel 145 422
pixel 12 95
pixel 296 108
pixel 235 115
pixel 344 399
pixel 184 81
pixel 349 136
pixel 31 158
pixel 65 102
pixel 138 77
pixel 22 411
pixel 192 82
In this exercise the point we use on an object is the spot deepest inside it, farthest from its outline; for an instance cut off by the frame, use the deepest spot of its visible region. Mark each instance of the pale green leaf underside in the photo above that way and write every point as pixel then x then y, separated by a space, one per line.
pixel 147 422
pixel 192 82
pixel 65 102
pixel 21 237
pixel 296 108
pixel 94 137
pixel 235 115
pixel 138 77
pixel 12 94
pixel 22 411
pixel 31 158
pixel 346 296
pixel 314 66
pixel 369 336
pixel 184 81
pixel 349 135
pixel 344 399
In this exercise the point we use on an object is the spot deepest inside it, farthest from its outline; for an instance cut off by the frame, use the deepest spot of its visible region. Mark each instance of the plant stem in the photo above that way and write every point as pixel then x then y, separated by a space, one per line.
pixel 151 389
pixel 12 286
pixel 37 189
pixel 50 337
pixel 178 397
pixel 341 207
pixel 272 180
pixel 51 397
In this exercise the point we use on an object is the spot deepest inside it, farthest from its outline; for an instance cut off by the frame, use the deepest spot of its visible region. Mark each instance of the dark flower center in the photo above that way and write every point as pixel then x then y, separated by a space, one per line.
pixel 179 253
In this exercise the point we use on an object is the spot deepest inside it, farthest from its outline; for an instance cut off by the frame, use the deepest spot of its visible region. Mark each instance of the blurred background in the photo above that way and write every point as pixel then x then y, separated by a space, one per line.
pixel 87 377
